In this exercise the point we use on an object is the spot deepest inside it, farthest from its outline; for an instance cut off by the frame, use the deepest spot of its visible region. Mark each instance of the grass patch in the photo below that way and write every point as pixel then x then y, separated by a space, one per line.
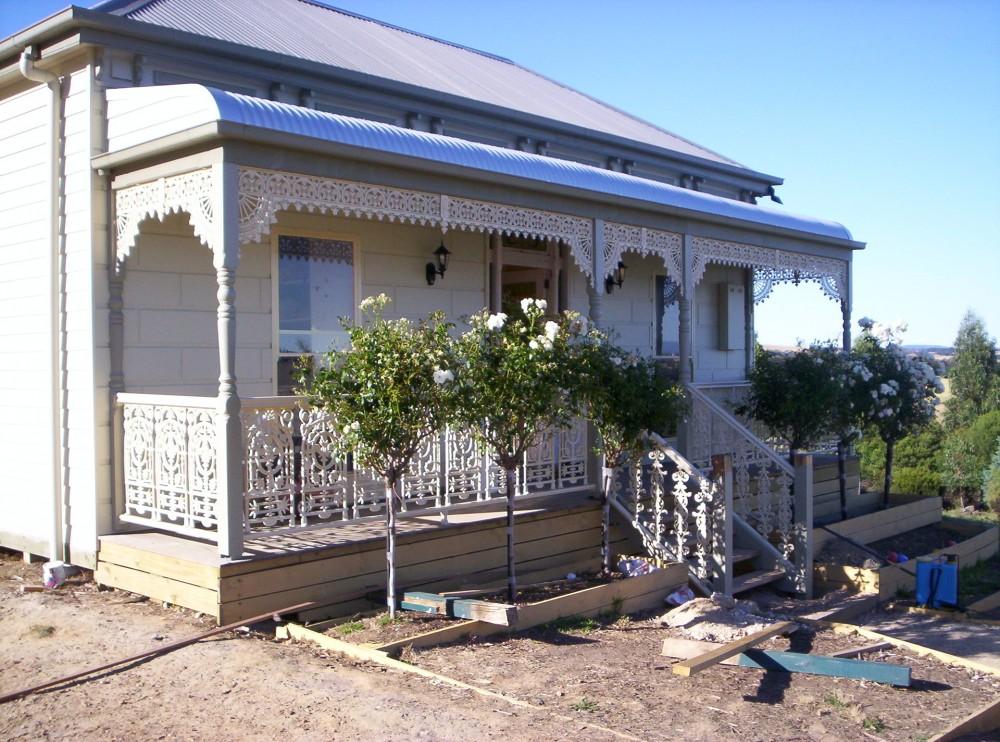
pixel 40 631
pixel 584 704
pixel 572 625
pixel 836 701
pixel 350 627
pixel 979 580
pixel 385 619
pixel 873 724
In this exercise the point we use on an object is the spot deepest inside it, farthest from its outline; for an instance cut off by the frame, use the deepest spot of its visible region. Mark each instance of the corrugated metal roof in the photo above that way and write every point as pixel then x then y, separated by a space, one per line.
pixel 317 32
pixel 193 105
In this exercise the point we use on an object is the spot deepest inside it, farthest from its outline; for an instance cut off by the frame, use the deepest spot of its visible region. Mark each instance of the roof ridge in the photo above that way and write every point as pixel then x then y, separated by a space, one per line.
pixel 359 16
pixel 631 115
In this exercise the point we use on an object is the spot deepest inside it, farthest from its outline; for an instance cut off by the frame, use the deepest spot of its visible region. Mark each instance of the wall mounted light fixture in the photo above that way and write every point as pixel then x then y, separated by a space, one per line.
pixel 439 265
pixel 617 278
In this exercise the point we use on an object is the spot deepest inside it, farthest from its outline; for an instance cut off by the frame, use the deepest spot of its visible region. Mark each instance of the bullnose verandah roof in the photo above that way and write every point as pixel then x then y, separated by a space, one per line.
pixel 140 116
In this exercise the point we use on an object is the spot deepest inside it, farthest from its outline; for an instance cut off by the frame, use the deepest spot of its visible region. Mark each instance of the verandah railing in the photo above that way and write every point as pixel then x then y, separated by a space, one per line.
pixel 292 477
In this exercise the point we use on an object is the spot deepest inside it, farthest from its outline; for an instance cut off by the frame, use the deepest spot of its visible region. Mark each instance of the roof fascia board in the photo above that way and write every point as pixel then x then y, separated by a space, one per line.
pixel 174 40
pixel 583 201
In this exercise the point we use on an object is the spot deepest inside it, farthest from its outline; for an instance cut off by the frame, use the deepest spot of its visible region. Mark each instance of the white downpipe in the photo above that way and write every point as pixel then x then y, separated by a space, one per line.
pixel 54 271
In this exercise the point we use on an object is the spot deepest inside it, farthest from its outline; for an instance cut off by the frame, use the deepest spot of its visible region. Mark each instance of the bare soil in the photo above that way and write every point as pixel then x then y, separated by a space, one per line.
pixel 586 680
pixel 614 674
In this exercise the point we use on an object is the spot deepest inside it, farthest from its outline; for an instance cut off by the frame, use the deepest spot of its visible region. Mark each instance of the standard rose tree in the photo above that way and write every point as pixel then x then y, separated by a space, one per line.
pixel 516 379
pixel 899 389
pixel 626 398
pixel 388 392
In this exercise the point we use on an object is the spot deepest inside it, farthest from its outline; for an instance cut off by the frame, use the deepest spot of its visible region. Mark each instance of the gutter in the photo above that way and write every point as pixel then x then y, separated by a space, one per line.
pixel 54 268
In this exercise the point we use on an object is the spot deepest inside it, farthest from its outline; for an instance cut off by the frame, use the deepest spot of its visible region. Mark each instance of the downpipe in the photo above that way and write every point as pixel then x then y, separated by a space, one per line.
pixel 54 268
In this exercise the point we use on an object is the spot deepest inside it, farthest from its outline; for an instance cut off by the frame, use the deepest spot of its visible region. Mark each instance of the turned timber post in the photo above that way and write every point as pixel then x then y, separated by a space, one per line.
pixel 229 463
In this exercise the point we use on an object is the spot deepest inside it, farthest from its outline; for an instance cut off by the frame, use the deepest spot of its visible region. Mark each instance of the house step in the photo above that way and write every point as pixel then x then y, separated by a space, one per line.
pixel 756 579
pixel 744 555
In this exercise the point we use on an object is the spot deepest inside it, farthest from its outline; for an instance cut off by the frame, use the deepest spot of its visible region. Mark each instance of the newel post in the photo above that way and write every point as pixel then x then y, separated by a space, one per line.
pixel 803 529
pixel 722 525
pixel 229 451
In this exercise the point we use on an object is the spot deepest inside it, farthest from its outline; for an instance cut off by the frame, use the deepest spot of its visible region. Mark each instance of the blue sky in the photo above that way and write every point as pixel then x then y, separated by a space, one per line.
pixel 882 115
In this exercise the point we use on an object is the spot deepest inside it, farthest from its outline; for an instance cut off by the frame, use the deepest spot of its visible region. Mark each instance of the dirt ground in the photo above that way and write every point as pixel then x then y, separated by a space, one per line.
pixel 616 676
pixel 585 680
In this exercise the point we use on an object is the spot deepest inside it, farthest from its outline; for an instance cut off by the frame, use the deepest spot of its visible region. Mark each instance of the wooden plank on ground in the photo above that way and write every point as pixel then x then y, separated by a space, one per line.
pixel 695 665
pixel 476 610
pixel 981 721
pixel 918 649
pixel 867 649
pixel 985 604
pixel 807 664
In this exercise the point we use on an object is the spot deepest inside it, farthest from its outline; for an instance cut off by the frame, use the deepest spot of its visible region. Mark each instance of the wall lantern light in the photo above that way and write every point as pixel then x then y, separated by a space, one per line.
pixel 440 264
pixel 617 278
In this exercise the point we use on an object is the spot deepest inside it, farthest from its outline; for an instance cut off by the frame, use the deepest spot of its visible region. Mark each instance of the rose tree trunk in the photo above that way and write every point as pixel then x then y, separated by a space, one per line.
pixel 608 476
pixel 390 545
pixel 889 450
pixel 511 475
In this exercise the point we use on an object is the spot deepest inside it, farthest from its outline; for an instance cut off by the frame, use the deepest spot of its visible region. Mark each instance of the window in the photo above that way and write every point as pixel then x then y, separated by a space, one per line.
pixel 667 317
pixel 315 290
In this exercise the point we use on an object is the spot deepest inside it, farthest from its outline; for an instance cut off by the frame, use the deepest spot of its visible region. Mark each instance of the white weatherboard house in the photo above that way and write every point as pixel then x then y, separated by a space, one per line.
pixel 195 190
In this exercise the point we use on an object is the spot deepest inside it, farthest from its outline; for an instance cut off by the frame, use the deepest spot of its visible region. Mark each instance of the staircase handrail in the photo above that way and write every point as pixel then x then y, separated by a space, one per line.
pixel 742 429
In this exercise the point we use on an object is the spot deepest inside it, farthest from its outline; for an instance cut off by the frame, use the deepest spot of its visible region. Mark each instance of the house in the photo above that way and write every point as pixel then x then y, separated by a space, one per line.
pixel 196 190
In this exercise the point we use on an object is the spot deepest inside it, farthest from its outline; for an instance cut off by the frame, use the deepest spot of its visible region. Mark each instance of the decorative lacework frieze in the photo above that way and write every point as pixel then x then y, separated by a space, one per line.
pixel 264 193
pixel 519 221
pixel 191 193
pixel 622 238
pixel 771 266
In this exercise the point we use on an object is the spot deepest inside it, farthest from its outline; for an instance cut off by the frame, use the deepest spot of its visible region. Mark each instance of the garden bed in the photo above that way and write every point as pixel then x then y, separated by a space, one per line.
pixel 905 513
pixel 841 564
pixel 610 597
pixel 612 673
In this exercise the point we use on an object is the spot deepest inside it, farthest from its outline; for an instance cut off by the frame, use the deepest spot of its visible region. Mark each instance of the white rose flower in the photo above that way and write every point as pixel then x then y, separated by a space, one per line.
pixel 533 345
pixel 347 430
pixel 496 321
pixel 526 304
pixel 442 376
pixel 551 329
pixel 355 426
pixel 541 304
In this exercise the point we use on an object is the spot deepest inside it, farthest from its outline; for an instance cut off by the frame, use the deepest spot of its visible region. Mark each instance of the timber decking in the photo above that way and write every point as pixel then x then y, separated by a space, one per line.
pixel 341 566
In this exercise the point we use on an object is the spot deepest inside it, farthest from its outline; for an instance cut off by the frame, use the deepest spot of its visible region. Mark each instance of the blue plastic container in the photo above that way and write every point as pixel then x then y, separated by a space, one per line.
pixel 937 581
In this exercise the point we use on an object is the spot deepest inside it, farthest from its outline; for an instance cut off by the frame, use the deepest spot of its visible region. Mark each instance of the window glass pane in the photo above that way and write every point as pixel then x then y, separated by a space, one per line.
pixel 667 317
pixel 315 289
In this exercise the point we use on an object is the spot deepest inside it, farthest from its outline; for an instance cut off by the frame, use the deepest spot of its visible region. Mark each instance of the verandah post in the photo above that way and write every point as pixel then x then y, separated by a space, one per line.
pixel 225 244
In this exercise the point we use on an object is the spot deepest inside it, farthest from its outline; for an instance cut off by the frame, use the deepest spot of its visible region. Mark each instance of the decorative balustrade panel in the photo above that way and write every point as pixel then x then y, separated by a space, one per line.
pixel 169 465
pixel 297 475
pixel 762 480
pixel 678 512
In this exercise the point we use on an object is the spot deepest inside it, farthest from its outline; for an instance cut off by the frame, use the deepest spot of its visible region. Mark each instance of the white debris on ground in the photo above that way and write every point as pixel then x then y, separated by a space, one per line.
pixel 718 619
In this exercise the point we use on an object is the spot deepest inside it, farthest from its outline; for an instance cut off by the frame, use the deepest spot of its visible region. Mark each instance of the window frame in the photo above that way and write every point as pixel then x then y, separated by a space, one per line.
pixel 276 234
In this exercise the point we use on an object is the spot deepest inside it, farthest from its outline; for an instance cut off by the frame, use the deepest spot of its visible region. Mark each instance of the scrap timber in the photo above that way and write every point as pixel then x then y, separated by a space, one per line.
pixel 715 656
pixel 809 664
pixel 475 610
